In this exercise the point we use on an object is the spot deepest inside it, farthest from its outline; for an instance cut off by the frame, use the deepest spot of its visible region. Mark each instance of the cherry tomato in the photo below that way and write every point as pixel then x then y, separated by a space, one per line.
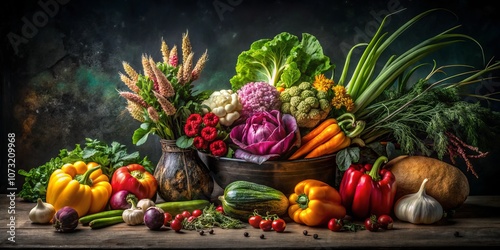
pixel 385 221
pixel 176 225
pixel 266 225
pixel 219 209
pixel 179 217
pixel 255 220
pixel 335 224
pixel 186 214
pixel 197 212
pixel 371 224
pixel 167 219
pixel 191 218
pixel 279 225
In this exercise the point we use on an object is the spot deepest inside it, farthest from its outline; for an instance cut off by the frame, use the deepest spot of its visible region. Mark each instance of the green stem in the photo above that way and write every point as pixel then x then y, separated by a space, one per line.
pixel 302 201
pixel 85 179
pixel 375 168
pixel 358 128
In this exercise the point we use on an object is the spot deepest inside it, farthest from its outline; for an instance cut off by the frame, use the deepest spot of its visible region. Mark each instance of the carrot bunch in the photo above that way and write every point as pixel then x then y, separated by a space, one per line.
pixel 328 137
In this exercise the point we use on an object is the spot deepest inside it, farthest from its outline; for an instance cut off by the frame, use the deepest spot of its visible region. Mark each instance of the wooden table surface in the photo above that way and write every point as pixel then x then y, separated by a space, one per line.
pixel 475 224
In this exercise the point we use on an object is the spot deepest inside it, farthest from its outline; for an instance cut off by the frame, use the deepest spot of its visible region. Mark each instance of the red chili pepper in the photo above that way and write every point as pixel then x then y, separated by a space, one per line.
pixel 366 190
pixel 135 179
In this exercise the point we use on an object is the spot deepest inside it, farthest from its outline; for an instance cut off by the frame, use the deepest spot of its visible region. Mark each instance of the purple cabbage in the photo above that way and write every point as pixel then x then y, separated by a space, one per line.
pixel 264 136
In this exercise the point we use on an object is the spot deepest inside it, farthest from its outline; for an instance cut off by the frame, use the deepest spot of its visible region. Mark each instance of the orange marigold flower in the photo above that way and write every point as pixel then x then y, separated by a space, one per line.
pixel 322 83
pixel 342 98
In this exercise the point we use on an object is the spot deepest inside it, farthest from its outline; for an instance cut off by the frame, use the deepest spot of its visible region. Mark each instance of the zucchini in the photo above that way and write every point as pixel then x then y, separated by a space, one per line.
pixel 177 207
pixel 85 220
pixel 242 198
pixel 106 222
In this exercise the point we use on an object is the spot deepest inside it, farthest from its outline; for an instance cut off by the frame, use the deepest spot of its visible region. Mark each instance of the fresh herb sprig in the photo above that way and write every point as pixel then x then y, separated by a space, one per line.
pixel 212 218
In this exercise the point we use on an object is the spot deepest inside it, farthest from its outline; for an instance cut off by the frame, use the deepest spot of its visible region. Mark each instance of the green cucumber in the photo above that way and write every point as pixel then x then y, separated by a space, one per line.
pixel 177 207
pixel 242 198
pixel 85 220
pixel 106 222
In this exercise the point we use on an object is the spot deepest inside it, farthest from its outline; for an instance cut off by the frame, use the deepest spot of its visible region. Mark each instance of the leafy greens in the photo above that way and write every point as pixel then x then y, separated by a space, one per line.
pixel 282 61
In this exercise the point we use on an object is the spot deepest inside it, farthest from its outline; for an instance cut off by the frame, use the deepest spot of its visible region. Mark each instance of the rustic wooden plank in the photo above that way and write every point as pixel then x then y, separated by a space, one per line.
pixel 477 223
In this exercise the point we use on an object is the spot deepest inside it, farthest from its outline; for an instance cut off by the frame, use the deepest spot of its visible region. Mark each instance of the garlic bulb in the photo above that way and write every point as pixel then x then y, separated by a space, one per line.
pixel 42 212
pixel 144 204
pixel 418 208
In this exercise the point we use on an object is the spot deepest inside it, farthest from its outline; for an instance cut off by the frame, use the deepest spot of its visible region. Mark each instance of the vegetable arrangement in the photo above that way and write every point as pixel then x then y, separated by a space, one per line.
pixel 281 107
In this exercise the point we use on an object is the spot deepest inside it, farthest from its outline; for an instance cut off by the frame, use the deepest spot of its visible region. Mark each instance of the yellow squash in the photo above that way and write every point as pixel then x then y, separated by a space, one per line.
pixel 81 186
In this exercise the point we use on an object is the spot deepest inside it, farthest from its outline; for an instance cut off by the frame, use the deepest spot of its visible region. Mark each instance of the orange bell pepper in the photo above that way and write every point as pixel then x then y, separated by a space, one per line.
pixel 314 203
pixel 81 186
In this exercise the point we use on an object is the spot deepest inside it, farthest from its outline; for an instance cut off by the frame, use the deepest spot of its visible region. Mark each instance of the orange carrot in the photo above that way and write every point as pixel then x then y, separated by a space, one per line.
pixel 325 135
pixel 331 146
pixel 322 126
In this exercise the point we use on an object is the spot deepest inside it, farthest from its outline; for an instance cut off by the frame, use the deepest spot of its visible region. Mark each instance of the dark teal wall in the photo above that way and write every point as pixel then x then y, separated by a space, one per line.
pixel 60 59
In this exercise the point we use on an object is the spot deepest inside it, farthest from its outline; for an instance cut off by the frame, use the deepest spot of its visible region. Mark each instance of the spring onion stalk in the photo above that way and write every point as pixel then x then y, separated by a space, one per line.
pixel 363 87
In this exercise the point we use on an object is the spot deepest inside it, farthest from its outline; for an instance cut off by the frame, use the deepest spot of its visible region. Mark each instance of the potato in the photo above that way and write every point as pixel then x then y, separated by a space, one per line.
pixel 447 183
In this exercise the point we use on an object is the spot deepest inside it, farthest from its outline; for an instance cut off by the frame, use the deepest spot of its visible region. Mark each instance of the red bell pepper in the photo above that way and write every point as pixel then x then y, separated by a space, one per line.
pixel 135 179
pixel 367 190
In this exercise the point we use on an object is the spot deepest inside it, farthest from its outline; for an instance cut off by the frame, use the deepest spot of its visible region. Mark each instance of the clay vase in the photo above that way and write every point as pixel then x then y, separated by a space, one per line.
pixel 181 175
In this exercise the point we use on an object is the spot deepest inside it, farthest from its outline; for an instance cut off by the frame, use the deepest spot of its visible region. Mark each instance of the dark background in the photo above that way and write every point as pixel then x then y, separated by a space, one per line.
pixel 59 84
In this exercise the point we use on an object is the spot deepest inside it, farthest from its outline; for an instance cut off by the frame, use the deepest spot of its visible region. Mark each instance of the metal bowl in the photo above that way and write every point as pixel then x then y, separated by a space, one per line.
pixel 281 175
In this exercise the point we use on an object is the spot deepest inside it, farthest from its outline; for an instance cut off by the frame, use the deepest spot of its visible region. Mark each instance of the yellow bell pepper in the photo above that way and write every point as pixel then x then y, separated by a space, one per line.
pixel 81 186
pixel 314 203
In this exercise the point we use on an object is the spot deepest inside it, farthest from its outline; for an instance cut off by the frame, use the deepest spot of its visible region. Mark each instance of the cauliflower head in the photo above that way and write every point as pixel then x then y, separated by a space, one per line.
pixel 225 104
pixel 308 105
pixel 258 96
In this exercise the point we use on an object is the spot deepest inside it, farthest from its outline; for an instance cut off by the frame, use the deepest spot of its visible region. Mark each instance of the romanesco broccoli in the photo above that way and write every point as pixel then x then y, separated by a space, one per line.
pixel 308 105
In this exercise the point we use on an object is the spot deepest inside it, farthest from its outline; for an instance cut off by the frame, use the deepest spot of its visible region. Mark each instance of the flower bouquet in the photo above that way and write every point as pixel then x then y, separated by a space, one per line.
pixel 282 107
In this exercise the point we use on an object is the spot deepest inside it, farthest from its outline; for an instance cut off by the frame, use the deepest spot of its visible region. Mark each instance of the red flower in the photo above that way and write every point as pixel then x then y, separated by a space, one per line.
pixel 218 148
pixel 194 118
pixel 191 129
pixel 200 143
pixel 210 119
pixel 209 133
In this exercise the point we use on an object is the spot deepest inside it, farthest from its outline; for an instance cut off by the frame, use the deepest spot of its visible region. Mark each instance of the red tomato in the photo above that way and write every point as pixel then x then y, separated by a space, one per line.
pixel 335 225
pixel 279 225
pixel 168 218
pixel 179 217
pixel 220 209
pixel 186 214
pixel 255 220
pixel 191 218
pixel 385 222
pixel 176 225
pixel 371 224
pixel 197 212
pixel 266 225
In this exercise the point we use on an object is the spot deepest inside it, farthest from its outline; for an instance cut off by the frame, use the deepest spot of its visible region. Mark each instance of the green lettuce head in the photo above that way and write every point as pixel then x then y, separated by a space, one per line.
pixel 283 61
